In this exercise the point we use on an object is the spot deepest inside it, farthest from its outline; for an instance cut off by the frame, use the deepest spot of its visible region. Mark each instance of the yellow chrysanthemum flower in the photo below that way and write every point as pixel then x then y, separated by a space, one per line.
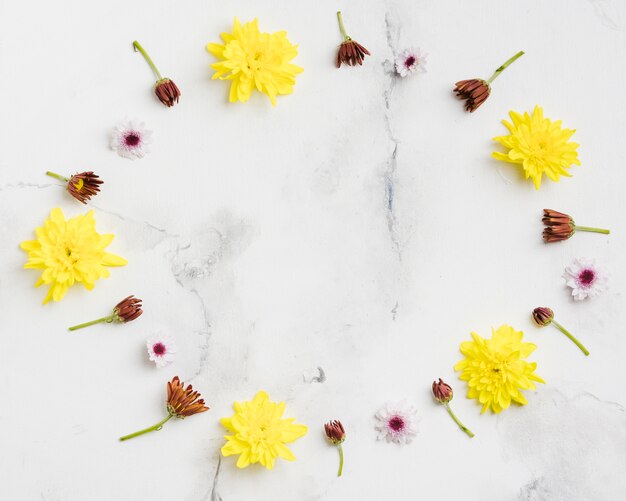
pixel 495 369
pixel 251 59
pixel 539 145
pixel 259 432
pixel 69 252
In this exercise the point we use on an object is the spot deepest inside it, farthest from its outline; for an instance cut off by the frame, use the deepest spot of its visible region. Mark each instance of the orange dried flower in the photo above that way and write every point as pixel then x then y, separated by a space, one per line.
pixel 350 52
pixel 126 310
pixel 81 186
pixel 181 403
pixel 559 226
pixel 476 90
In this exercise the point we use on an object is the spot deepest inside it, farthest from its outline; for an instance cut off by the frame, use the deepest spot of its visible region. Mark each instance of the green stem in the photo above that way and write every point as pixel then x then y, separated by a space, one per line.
pixel 156 427
pixel 505 66
pixel 57 176
pixel 340 460
pixel 342 27
pixel 108 319
pixel 148 59
pixel 593 230
pixel 456 420
pixel 572 338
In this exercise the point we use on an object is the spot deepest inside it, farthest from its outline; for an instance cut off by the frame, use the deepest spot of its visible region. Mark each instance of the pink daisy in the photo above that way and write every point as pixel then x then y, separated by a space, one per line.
pixel 410 61
pixel 161 350
pixel 397 423
pixel 585 278
pixel 130 139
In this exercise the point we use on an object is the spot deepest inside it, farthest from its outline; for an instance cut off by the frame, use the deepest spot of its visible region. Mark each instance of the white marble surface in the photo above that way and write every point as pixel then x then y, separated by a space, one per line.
pixel 360 227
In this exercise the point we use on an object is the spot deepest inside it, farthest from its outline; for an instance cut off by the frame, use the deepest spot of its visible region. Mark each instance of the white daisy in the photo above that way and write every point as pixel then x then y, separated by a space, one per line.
pixel 585 278
pixel 161 350
pixel 410 61
pixel 397 422
pixel 130 139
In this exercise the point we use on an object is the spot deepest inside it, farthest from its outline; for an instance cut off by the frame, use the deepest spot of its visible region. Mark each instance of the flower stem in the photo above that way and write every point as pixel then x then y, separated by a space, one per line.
pixel 156 427
pixel 57 176
pixel 342 27
pixel 572 338
pixel 108 319
pixel 148 59
pixel 340 460
pixel 593 230
pixel 505 66
pixel 456 420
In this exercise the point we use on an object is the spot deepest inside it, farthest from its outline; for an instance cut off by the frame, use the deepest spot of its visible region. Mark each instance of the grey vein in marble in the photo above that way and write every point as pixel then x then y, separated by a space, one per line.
pixel 392 32
pixel 567 443
pixel 215 496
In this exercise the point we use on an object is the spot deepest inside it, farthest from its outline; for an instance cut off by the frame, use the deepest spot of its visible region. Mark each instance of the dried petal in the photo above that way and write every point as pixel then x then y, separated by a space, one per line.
pixel 475 92
pixel 183 402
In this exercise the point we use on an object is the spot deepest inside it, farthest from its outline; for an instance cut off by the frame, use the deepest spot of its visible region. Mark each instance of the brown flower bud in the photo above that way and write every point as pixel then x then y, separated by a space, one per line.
pixel 351 53
pixel 183 402
pixel 543 316
pixel 559 226
pixel 128 309
pixel 335 432
pixel 83 186
pixel 442 392
pixel 167 92
pixel 475 92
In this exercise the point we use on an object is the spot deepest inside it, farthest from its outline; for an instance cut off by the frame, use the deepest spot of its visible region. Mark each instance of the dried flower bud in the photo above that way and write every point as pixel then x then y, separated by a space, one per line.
pixel 335 432
pixel 442 392
pixel 167 92
pixel 475 92
pixel 83 186
pixel 351 53
pixel 183 402
pixel 543 316
pixel 128 309
pixel 559 226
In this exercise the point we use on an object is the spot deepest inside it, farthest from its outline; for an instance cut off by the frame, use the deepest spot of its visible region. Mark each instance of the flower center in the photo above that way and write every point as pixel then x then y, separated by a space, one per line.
pixel 132 139
pixel 586 277
pixel 410 61
pixel 396 423
pixel 159 349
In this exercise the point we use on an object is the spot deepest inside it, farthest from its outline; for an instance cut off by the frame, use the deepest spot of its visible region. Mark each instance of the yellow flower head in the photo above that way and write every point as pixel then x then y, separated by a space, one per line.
pixel 259 432
pixel 252 59
pixel 539 145
pixel 495 369
pixel 69 252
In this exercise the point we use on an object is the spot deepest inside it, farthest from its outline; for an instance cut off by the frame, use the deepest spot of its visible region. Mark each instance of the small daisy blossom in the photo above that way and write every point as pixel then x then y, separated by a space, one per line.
pixel 397 422
pixel 130 139
pixel 161 350
pixel 585 278
pixel 410 61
